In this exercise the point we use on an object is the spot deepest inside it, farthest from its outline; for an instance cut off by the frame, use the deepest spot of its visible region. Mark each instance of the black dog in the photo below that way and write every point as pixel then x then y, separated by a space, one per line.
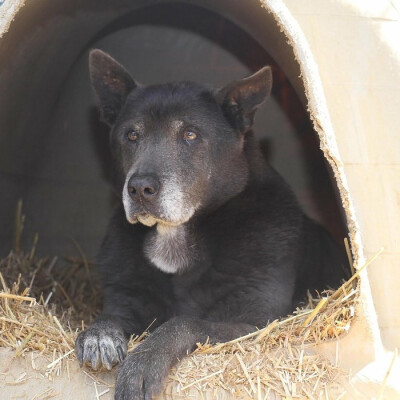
pixel 210 241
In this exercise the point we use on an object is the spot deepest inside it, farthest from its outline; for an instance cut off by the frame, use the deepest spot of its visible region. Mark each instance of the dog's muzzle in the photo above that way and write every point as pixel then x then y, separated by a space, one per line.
pixel 149 202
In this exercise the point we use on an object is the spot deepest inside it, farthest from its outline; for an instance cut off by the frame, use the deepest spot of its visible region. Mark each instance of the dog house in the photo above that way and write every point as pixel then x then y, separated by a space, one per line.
pixel 342 58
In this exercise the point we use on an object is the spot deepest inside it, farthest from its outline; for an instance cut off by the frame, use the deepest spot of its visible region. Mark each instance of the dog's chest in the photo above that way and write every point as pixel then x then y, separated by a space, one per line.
pixel 194 284
pixel 197 293
pixel 170 249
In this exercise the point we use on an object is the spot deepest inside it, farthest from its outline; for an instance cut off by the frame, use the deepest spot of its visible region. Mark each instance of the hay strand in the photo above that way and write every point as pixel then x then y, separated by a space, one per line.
pixel 200 380
pixel 316 310
pixel 17 297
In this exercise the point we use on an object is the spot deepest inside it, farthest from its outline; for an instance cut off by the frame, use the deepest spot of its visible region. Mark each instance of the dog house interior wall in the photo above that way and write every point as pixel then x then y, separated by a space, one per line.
pixel 54 149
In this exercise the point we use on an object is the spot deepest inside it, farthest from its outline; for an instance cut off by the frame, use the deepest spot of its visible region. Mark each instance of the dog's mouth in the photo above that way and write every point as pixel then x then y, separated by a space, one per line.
pixel 148 219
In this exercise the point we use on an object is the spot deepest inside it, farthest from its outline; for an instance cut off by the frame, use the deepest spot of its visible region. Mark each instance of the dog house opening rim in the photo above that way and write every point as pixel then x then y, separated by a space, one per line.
pixel 319 114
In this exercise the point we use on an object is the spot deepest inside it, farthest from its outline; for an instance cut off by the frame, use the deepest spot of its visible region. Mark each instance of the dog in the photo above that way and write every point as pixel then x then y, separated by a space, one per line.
pixel 208 242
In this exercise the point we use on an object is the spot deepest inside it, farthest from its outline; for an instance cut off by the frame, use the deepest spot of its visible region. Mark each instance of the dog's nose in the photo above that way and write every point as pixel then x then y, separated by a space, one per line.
pixel 146 186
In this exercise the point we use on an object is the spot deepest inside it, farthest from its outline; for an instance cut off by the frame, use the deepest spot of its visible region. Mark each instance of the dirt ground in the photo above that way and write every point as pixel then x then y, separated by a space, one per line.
pixel 22 379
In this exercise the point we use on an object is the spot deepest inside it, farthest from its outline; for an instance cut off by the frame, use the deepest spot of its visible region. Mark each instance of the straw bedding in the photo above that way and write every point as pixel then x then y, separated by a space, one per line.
pixel 43 305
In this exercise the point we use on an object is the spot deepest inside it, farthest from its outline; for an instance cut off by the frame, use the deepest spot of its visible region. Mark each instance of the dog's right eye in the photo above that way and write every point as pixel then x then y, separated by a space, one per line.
pixel 190 136
pixel 132 135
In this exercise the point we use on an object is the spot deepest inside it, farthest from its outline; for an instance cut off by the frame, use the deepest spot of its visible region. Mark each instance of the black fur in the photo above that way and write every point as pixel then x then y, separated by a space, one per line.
pixel 241 251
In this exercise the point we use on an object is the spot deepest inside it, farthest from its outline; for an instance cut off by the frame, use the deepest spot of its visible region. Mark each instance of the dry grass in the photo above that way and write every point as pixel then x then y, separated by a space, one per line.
pixel 42 308
pixel 275 360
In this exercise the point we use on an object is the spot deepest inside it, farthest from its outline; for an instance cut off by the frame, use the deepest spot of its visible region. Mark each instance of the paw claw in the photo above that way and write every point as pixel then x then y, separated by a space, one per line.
pixel 107 362
pixel 121 354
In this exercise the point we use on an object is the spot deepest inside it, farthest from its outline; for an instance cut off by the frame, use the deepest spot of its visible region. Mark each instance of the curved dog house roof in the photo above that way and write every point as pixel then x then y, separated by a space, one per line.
pixel 343 59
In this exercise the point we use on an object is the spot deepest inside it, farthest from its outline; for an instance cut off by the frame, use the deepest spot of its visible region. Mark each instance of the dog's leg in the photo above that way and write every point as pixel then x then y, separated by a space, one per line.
pixel 124 312
pixel 143 373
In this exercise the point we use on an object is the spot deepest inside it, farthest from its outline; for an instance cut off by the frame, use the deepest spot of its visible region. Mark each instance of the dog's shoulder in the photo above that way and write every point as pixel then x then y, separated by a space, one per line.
pixel 270 205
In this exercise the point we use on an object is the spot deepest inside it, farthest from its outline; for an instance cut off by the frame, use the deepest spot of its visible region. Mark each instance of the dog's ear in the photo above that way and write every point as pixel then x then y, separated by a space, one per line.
pixel 111 83
pixel 240 99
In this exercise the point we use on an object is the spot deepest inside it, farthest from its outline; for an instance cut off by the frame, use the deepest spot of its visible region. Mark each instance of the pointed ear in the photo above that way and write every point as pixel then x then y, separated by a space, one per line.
pixel 111 83
pixel 240 99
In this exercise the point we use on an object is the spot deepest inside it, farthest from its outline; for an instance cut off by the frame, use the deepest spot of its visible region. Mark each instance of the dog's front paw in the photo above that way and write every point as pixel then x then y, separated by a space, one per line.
pixel 142 375
pixel 103 344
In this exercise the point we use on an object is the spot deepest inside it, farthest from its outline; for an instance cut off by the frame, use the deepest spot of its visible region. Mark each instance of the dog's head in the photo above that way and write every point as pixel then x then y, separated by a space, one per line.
pixel 178 147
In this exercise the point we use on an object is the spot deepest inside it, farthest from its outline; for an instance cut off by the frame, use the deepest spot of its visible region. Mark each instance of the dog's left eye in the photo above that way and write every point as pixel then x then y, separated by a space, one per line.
pixel 132 135
pixel 190 135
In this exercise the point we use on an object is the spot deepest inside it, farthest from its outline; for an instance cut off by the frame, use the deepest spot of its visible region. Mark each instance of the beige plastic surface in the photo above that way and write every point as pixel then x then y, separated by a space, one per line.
pixel 357 54
pixel 357 49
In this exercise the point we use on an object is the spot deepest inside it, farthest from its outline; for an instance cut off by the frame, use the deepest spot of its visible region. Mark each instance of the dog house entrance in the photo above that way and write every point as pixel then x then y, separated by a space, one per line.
pixel 64 173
